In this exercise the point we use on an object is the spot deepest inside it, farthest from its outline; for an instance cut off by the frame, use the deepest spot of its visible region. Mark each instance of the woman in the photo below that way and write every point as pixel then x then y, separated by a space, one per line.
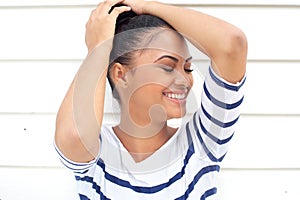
pixel 148 65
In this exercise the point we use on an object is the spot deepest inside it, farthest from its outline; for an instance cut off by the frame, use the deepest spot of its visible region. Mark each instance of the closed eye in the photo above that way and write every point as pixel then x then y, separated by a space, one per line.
pixel 168 69
pixel 187 67
pixel 188 70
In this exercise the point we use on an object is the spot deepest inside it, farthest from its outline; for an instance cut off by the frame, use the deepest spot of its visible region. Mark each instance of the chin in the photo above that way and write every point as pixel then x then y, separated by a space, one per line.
pixel 177 115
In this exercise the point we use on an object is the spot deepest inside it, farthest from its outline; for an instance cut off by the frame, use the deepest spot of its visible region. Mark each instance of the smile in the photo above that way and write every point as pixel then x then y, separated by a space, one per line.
pixel 175 96
pixel 180 95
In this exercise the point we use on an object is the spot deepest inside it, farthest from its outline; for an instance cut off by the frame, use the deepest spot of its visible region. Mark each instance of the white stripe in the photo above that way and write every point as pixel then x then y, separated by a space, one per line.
pixel 221 114
pixel 222 94
pixel 113 152
pixel 177 189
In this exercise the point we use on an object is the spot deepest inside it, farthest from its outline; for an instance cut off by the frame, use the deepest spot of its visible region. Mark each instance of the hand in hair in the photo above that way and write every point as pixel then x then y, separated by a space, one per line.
pixel 101 24
pixel 138 6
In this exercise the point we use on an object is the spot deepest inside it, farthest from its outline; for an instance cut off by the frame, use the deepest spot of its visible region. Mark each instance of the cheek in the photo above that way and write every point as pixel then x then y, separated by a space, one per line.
pixel 145 97
pixel 148 93
pixel 191 80
pixel 149 77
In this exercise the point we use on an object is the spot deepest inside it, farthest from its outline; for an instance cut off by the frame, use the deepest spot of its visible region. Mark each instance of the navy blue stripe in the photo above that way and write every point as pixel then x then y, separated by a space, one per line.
pixel 72 163
pixel 83 197
pixel 84 172
pixel 148 190
pixel 86 169
pixel 220 103
pixel 95 186
pixel 217 122
pixel 85 165
pixel 197 177
pixel 208 153
pixel 189 136
pixel 223 84
pixel 191 149
pixel 208 193
pixel 211 136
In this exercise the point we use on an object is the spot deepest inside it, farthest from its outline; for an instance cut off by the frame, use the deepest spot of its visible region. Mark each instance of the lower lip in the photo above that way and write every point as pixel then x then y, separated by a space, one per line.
pixel 177 101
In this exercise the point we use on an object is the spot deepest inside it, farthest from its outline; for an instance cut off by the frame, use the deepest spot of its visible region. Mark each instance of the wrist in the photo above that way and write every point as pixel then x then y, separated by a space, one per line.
pixel 149 7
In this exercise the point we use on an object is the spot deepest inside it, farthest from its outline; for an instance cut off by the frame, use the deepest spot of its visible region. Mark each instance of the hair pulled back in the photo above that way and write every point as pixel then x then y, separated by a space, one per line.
pixel 132 32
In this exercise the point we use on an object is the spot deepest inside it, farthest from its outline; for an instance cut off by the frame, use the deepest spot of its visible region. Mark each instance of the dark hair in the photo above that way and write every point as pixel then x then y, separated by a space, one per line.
pixel 130 33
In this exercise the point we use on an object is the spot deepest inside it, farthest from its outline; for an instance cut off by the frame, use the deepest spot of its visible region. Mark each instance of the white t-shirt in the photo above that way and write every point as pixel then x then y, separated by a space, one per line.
pixel 185 167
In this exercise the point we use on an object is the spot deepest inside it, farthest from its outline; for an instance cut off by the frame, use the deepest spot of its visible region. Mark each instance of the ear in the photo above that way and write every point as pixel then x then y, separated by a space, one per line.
pixel 117 74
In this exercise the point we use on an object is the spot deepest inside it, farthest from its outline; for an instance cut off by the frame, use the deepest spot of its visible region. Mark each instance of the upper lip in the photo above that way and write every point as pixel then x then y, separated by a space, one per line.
pixel 178 94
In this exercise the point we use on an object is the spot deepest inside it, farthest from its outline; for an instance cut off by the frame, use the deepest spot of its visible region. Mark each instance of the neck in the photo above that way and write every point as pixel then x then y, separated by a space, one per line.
pixel 141 141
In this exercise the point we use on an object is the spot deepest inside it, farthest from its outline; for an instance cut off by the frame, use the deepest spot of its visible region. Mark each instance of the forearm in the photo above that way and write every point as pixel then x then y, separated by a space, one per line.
pixel 207 32
pixel 81 112
pixel 80 116
pixel 224 43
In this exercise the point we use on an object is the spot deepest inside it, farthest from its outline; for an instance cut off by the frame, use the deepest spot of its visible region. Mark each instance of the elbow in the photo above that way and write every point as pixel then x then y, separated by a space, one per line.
pixel 64 134
pixel 65 129
pixel 232 56
pixel 237 44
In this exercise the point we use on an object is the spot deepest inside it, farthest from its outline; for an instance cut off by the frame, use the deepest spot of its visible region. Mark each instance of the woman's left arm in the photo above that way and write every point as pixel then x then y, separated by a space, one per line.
pixel 225 44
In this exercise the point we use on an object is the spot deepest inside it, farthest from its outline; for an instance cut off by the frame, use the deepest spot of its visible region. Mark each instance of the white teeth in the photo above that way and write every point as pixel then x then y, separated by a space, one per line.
pixel 175 96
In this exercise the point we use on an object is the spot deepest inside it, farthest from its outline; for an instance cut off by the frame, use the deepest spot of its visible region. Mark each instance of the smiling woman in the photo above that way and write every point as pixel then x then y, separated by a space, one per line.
pixel 144 55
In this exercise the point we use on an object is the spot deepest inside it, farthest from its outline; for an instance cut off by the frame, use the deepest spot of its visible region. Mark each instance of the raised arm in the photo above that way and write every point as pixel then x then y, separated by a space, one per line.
pixel 225 44
pixel 80 116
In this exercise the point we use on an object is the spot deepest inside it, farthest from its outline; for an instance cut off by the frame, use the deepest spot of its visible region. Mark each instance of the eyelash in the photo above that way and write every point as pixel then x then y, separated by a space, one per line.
pixel 168 69
pixel 171 70
pixel 188 70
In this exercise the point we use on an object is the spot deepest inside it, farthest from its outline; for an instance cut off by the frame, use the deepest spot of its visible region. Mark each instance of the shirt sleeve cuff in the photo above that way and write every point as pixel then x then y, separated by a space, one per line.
pixel 72 165
pixel 225 84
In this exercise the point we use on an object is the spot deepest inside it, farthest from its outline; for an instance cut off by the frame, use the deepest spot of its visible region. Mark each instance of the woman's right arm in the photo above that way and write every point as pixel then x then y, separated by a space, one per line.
pixel 80 115
pixel 225 44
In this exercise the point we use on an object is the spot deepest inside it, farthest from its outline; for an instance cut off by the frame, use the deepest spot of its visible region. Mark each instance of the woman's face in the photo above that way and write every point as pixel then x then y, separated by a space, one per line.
pixel 159 81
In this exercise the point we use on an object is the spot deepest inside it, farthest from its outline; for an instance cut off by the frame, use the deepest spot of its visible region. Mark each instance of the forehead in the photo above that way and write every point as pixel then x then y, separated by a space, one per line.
pixel 167 40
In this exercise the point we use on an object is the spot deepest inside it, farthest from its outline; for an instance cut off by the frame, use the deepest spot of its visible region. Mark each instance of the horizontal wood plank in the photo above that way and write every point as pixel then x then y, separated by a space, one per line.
pixel 259 184
pixel 265 142
pixel 42 46
pixel 58 33
pixel 271 32
pixel 259 142
pixel 59 184
pixel 27 140
pixel 39 86
pixel 34 86
pixel 271 88
pixel 37 183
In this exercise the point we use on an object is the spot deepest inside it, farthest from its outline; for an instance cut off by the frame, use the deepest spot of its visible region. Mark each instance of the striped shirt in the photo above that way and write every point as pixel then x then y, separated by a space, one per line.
pixel 185 167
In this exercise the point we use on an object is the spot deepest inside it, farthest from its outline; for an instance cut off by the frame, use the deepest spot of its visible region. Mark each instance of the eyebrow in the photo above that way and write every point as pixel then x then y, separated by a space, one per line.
pixel 189 59
pixel 172 58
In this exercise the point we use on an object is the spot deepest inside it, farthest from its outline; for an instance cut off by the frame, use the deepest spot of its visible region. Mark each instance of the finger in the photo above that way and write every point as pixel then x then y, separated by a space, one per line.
pixel 114 2
pixel 100 9
pixel 118 10
pixel 107 4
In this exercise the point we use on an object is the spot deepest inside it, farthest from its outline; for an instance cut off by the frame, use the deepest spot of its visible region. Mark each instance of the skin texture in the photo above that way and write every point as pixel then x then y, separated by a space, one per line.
pixel 145 84
pixel 145 105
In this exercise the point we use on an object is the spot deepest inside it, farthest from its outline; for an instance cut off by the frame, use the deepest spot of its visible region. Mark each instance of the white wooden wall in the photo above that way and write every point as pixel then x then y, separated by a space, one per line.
pixel 42 46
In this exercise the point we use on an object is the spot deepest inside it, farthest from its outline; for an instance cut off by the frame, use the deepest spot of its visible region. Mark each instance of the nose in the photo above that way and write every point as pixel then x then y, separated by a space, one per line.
pixel 183 79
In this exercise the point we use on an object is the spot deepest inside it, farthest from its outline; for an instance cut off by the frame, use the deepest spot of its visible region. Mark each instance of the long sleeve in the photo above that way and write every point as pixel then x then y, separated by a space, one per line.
pixel 214 123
